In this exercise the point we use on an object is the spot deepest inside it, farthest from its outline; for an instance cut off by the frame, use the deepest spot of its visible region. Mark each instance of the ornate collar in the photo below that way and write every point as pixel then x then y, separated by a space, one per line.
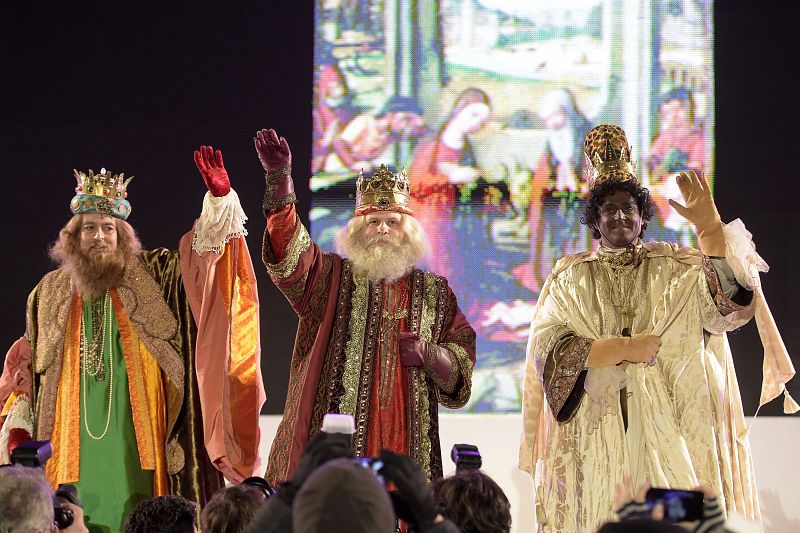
pixel 622 257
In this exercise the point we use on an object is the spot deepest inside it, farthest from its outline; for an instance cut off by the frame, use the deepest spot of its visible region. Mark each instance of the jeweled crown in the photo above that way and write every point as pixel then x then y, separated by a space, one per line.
pixel 105 193
pixel 383 191
pixel 608 156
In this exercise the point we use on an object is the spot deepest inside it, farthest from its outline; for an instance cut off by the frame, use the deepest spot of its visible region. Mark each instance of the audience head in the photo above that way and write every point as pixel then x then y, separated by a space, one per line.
pixel 26 500
pixel 231 509
pixel 344 493
pixel 474 502
pixel 162 514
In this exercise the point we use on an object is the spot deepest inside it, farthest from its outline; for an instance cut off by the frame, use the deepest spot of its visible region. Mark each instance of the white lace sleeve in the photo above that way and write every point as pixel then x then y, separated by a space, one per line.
pixel 740 253
pixel 19 416
pixel 222 219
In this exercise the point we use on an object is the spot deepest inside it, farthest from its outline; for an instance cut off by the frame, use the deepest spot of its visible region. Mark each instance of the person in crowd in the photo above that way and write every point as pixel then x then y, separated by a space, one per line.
pixel 473 501
pixel 162 514
pixel 330 487
pixel 231 509
pixel 636 515
pixel 26 503
pixel 378 338
pixel 628 370
pixel 132 362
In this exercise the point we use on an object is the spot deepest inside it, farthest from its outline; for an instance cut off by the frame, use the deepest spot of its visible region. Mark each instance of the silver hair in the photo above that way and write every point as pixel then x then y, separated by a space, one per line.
pixel 27 500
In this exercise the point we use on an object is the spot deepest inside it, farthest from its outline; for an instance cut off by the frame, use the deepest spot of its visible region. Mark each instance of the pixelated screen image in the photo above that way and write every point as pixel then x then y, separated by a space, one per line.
pixel 485 103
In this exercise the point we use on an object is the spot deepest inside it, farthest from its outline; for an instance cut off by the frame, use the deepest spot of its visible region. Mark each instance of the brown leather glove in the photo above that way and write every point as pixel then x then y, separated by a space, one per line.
pixel 438 362
pixel 276 159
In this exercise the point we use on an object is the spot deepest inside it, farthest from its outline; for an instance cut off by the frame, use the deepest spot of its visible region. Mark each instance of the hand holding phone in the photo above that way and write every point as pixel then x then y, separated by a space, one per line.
pixel 679 505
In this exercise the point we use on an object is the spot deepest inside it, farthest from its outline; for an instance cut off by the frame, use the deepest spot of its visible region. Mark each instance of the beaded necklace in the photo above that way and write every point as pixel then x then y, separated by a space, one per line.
pixel 93 359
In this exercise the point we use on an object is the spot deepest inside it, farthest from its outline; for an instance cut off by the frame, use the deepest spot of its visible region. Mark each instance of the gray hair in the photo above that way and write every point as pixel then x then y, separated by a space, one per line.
pixel 27 500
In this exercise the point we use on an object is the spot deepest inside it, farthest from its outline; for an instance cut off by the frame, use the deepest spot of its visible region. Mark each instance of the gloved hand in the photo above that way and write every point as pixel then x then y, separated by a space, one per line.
pixel 212 169
pixel 412 349
pixel 413 498
pixel 701 211
pixel 273 151
pixel 615 350
pixel 322 448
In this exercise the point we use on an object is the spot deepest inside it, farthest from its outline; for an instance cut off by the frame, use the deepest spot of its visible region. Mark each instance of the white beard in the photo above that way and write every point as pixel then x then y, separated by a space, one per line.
pixel 388 262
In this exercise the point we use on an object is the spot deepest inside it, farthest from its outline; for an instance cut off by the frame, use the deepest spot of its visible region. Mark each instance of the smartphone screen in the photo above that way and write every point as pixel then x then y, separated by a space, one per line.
pixel 679 505
pixel 373 464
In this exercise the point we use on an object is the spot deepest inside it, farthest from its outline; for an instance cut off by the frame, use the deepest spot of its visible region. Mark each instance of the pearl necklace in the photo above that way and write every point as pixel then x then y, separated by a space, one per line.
pixel 97 361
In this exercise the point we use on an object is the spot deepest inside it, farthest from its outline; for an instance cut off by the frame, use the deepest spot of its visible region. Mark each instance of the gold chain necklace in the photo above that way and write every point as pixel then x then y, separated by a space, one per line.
pixel 88 358
pixel 394 310
pixel 620 269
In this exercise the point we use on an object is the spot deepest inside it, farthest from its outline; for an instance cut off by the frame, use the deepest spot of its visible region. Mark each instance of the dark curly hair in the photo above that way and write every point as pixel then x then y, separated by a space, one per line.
pixel 162 514
pixel 591 214
pixel 474 502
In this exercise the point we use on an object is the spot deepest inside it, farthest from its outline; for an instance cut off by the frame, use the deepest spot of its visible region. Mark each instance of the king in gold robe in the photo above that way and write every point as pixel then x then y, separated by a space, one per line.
pixel 628 370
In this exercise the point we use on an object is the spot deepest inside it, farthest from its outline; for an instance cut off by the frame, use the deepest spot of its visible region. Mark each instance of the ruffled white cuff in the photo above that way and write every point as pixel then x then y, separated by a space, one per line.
pixel 740 253
pixel 222 219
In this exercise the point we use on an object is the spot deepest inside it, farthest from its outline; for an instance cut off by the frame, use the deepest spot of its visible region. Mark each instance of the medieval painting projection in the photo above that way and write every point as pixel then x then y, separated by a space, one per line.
pixel 485 104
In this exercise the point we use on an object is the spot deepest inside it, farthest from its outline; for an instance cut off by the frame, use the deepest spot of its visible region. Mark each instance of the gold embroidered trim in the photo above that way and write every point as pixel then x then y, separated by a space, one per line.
pixel 354 349
pixel 295 291
pixel 152 319
pixel 300 242
pixel 569 358
pixel 724 304
pixel 340 333
pixel 413 413
pixel 367 367
pixel 430 305
pixel 176 459
pixel 52 311
pixel 433 354
pixel 465 371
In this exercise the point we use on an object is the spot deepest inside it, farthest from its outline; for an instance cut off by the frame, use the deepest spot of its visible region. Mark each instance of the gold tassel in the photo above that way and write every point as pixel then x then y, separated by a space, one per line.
pixel 789 405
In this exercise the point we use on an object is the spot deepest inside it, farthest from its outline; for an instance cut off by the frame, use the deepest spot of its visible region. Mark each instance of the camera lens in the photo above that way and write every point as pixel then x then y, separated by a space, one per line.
pixel 63 517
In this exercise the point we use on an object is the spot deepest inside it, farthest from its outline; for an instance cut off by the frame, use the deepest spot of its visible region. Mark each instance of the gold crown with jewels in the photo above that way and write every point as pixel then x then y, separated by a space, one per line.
pixel 104 193
pixel 383 191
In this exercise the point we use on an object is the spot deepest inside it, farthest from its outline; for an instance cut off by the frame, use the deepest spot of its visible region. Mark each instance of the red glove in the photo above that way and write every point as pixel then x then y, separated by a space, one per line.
pixel 16 437
pixel 212 169
pixel 273 151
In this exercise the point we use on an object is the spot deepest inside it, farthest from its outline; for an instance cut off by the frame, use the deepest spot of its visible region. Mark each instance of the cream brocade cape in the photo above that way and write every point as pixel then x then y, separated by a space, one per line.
pixel 685 421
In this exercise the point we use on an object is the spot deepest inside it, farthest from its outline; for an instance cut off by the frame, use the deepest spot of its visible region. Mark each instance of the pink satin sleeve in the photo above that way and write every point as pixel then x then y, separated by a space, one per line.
pixel 16 371
pixel 222 293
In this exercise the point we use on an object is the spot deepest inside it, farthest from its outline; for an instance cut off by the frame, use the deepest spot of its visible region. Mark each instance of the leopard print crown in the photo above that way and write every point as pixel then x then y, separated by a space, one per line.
pixel 608 156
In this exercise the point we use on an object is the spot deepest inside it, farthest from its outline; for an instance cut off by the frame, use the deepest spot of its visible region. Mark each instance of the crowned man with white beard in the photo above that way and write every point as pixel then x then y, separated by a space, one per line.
pixel 140 366
pixel 378 339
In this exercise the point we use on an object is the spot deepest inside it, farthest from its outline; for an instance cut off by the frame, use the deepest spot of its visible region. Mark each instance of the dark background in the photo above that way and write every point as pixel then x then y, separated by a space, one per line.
pixel 136 88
